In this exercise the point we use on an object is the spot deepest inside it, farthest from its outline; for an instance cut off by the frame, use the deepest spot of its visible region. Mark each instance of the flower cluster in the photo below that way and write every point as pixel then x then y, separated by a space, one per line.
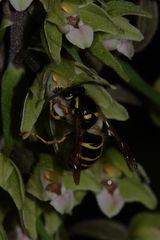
pixel 105 179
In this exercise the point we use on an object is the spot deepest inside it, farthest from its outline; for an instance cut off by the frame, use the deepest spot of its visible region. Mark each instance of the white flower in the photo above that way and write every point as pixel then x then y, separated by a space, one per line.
pixel 63 202
pixel 123 46
pixel 77 32
pixel 109 198
pixel 60 198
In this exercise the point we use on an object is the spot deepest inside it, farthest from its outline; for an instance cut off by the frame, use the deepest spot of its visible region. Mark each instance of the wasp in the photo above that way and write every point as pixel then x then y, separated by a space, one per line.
pixel 88 123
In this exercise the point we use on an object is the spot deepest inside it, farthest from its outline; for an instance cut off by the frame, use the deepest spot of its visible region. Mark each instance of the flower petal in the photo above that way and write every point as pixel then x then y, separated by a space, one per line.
pixel 17 234
pixel 110 204
pixel 123 46
pixel 62 203
pixel 126 48
pixel 111 44
pixel 82 37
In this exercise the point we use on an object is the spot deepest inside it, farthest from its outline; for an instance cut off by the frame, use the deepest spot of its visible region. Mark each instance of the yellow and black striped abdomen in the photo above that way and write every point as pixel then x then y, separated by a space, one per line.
pixel 91 149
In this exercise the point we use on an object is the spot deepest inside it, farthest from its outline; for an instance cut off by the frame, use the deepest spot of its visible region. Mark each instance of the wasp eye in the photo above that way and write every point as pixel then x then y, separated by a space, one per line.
pixel 68 95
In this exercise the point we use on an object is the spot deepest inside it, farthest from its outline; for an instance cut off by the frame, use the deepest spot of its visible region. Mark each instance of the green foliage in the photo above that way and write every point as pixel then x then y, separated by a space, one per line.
pixel 109 107
pixel 133 189
pixel 137 82
pixel 99 51
pixel 11 180
pixel 121 8
pixel 34 185
pixel 29 217
pixel 54 40
pixel 116 159
pixel 145 226
pixel 34 101
pixel 10 80
pixel 52 222
pixel 103 23
pixel 5 22
pixel 41 231
pixel 3 233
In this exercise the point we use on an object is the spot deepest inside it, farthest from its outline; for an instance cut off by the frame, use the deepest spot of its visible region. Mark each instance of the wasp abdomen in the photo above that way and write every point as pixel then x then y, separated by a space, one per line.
pixel 91 149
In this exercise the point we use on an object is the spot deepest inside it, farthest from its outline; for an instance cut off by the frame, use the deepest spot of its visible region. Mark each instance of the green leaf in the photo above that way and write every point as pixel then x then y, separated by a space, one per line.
pixel 109 107
pixel 11 181
pixel 47 4
pixel 103 21
pixel 31 112
pixel 29 217
pixel 145 219
pixel 34 185
pixel 100 95
pixel 10 80
pixel 56 17
pixel 79 196
pixel 137 82
pixel 34 101
pixel 145 226
pixel 5 22
pixel 86 75
pixel 52 222
pixel 120 8
pixel 66 69
pixel 78 2
pixel 146 234
pixel 134 190
pixel 54 40
pixel 3 235
pixel 128 31
pixel 114 157
pixel 41 231
pixel 73 52
pixel 87 182
pixel 116 111
pixel 99 51
pixel 20 5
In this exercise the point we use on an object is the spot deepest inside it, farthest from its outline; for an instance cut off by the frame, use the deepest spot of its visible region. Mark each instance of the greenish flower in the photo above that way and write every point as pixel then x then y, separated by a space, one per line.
pixel 109 199
pixel 60 198
pixel 123 46
pixel 78 33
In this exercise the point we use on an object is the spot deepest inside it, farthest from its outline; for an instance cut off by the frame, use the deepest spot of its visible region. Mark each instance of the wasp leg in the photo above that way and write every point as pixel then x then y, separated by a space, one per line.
pixel 55 141
pixel 61 105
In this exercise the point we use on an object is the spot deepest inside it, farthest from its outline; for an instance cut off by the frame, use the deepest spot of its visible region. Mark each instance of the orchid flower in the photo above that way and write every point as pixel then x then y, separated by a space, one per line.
pixel 123 46
pixel 60 198
pixel 109 199
pixel 75 30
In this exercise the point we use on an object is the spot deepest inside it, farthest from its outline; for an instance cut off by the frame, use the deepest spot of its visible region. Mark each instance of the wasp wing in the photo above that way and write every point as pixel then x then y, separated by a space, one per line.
pixel 122 145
